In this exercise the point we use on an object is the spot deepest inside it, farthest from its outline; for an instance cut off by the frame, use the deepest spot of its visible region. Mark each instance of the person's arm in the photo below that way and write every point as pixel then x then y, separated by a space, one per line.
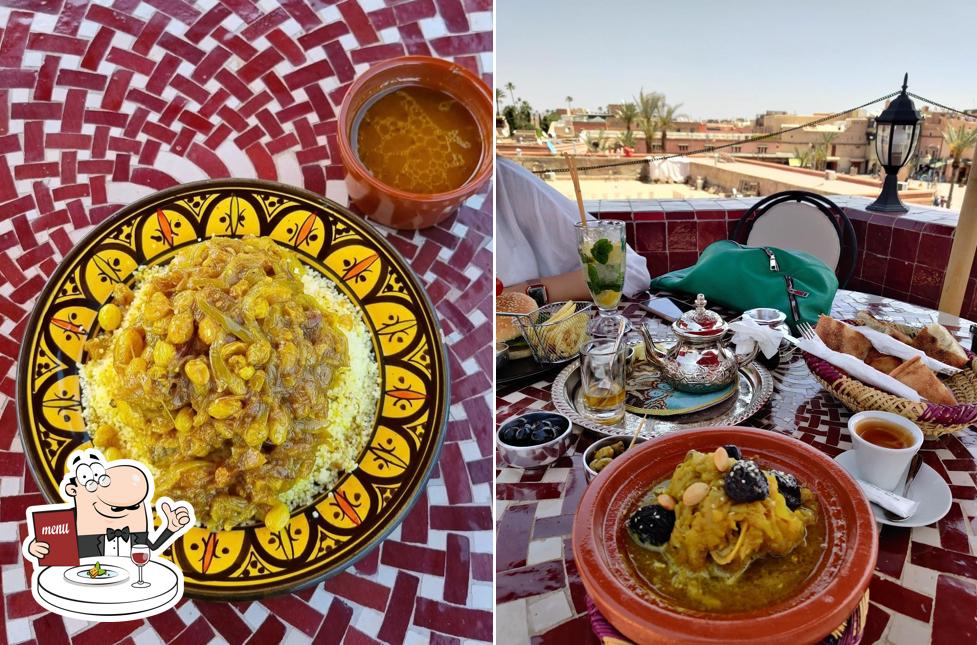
pixel 565 286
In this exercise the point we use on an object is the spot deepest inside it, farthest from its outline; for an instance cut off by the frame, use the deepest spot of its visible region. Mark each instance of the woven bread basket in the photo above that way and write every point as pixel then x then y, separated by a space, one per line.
pixel 933 419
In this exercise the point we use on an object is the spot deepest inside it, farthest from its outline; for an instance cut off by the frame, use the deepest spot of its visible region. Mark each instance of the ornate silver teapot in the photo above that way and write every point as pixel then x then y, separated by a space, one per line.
pixel 702 360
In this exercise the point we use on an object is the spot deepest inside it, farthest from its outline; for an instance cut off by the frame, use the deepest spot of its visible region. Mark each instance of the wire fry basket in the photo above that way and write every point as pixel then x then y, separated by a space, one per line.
pixel 555 341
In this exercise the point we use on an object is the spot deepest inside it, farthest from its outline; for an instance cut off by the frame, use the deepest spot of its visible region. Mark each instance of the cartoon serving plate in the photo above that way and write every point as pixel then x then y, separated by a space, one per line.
pixel 113 601
pixel 82 575
pixel 341 524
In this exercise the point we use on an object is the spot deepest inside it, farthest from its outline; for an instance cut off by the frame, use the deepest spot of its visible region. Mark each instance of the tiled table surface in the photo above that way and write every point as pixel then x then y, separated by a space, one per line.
pixel 925 585
pixel 103 103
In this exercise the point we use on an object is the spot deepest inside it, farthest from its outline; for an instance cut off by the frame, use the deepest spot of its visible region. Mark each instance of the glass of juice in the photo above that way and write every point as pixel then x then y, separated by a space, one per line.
pixel 140 556
pixel 602 249
pixel 602 382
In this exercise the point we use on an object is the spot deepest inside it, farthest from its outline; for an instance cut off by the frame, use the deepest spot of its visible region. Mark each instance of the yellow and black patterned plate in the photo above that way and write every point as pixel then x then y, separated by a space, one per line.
pixel 341 524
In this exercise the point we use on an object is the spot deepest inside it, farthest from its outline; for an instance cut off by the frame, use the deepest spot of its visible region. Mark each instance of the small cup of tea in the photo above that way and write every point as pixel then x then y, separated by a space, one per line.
pixel 885 444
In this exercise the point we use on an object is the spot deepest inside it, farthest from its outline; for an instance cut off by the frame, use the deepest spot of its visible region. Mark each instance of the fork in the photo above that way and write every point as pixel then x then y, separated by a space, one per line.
pixel 808 332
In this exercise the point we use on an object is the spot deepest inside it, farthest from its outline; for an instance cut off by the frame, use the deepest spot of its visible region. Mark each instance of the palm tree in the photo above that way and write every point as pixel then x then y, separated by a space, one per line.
pixel 512 92
pixel 499 95
pixel 648 106
pixel 822 148
pixel 627 139
pixel 805 156
pixel 958 139
pixel 667 116
pixel 628 112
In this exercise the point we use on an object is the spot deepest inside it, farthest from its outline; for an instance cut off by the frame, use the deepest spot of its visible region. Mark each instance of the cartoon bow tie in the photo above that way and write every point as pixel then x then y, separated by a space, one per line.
pixel 111 534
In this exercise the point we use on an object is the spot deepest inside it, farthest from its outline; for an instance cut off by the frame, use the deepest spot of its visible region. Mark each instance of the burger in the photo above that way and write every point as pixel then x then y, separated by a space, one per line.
pixel 506 329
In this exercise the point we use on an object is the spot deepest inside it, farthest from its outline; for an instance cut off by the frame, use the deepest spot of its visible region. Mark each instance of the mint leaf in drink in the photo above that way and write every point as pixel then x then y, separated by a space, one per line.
pixel 602 250
pixel 592 278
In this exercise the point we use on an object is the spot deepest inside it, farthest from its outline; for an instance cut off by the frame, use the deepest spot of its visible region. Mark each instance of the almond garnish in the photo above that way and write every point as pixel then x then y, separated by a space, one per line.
pixel 695 493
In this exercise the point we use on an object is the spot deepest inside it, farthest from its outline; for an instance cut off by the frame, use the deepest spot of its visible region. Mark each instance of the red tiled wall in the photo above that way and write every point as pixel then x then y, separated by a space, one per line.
pixel 901 257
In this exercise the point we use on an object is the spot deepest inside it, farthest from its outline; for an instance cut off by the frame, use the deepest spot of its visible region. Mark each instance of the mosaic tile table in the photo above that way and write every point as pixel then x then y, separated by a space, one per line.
pixel 103 103
pixel 925 585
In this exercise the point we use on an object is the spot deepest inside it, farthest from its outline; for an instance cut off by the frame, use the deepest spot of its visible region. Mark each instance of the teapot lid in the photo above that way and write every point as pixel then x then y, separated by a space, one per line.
pixel 700 322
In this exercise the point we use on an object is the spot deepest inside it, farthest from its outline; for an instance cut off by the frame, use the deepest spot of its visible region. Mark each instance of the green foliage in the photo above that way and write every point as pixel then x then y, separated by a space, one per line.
pixel 519 116
pixel 601 250
pixel 628 112
pixel 547 119
pixel 648 107
pixel 959 139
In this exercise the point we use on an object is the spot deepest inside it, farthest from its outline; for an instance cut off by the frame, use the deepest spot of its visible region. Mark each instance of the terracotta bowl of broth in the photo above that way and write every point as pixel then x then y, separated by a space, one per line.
pixel 415 136
pixel 813 609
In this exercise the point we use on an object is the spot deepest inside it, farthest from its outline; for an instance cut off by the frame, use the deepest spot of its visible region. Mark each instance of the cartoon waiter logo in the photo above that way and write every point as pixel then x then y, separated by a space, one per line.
pixel 94 556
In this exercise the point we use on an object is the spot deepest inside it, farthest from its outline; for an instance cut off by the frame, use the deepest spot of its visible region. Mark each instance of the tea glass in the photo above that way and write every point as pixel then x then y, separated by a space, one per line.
pixel 602 380
pixel 602 247
pixel 884 467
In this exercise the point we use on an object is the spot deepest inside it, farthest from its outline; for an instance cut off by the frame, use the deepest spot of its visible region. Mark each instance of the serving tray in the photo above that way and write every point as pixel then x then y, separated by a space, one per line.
pixel 755 388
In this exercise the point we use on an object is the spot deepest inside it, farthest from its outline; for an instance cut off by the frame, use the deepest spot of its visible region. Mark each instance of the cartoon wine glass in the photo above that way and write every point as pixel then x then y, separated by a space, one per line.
pixel 140 556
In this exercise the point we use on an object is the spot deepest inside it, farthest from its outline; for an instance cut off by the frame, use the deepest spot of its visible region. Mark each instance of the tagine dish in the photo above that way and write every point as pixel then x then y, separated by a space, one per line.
pixel 724 535
pixel 734 531
pixel 266 354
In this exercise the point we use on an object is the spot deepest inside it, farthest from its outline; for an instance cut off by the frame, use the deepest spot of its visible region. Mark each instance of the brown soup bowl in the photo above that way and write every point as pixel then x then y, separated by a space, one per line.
pixel 391 206
pixel 821 603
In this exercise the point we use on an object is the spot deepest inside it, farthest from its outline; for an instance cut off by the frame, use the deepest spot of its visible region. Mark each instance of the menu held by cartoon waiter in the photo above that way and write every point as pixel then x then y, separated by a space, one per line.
pixel 86 550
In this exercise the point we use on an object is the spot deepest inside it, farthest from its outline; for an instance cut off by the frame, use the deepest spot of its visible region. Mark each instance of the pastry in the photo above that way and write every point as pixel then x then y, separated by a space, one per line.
pixel 891 329
pixel 938 343
pixel 922 379
pixel 842 338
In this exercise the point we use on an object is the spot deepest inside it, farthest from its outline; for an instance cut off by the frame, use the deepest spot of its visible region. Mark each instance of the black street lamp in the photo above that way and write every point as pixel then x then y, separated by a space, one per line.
pixel 896 132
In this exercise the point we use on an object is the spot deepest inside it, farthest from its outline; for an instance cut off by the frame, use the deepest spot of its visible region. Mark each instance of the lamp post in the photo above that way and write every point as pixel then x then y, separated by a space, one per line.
pixel 896 133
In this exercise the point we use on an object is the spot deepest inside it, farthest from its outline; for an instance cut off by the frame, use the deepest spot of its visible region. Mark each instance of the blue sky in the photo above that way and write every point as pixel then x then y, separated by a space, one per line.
pixel 737 58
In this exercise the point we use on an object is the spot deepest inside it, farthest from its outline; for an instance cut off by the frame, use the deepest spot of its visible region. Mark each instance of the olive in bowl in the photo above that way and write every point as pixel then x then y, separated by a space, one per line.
pixel 600 453
pixel 535 439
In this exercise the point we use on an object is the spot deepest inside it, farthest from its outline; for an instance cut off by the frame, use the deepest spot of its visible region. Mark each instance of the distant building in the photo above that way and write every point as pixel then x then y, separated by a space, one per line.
pixel 845 145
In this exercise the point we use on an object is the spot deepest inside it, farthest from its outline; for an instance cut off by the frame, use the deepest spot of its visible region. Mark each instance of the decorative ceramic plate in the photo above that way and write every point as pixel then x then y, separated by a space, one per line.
pixel 754 389
pixel 341 524
pixel 650 395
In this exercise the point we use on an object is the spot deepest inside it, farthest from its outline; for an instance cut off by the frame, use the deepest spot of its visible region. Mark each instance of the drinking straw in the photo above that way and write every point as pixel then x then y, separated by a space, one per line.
pixel 572 165
pixel 637 431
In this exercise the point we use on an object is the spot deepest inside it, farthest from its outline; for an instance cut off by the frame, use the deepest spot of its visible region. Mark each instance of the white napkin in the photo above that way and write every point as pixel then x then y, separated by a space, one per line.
pixel 747 333
pixel 857 368
pixel 888 345
pixel 901 506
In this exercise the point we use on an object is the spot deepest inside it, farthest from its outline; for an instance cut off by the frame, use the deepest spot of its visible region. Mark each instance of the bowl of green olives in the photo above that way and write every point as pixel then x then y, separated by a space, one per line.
pixel 600 453
pixel 535 439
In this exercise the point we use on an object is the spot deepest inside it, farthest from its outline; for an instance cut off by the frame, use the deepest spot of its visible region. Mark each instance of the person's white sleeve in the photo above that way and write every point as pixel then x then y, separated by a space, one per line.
pixel 637 278
pixel 535 235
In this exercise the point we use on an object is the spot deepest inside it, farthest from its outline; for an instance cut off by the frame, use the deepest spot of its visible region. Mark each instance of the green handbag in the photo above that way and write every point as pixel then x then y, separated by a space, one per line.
pixel 745 277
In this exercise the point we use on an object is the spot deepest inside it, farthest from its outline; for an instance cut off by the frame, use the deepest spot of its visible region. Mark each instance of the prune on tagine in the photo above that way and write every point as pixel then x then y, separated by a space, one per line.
pixel 789 488
pixel 733 451
pixel 745 482
pixel 652 525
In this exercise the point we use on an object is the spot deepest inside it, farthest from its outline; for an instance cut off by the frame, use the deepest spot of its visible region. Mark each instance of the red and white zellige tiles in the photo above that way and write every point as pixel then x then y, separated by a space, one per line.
pixel 103 103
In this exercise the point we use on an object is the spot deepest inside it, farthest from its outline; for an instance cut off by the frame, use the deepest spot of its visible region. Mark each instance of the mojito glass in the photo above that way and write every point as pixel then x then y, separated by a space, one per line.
pixel 601 245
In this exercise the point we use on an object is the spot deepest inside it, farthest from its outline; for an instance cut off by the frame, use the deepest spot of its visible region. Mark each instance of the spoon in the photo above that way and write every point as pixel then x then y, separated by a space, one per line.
pixel 914 467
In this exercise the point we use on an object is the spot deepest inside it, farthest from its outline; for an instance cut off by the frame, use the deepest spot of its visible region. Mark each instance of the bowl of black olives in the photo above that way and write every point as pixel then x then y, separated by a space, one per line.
pixel 535 439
